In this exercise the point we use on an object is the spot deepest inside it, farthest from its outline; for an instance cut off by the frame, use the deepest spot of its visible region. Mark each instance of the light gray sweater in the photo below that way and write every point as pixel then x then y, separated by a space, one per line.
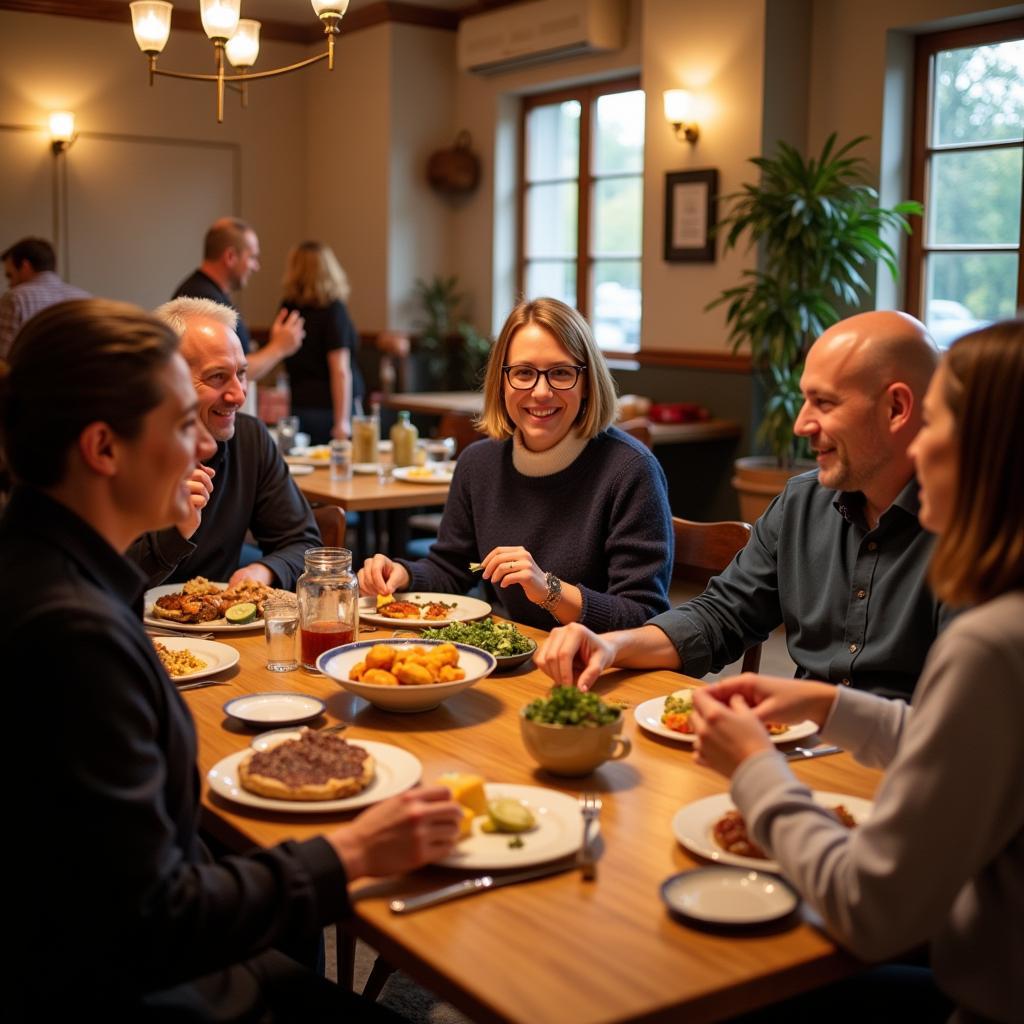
pixel 941 860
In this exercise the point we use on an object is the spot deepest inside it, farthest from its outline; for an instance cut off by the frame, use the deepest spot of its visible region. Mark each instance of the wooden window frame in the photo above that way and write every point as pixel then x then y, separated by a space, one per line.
pixel 587 95
pixel 922 149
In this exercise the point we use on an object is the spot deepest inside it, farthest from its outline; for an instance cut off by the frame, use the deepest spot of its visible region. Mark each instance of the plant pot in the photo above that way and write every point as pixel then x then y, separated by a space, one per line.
pixel 758 478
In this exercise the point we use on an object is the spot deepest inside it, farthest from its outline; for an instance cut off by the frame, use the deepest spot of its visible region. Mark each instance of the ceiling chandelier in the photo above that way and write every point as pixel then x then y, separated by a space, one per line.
pixel 232 36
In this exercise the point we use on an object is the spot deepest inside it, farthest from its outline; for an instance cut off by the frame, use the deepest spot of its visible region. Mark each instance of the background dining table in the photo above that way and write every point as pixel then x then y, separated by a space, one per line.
pixel 561 948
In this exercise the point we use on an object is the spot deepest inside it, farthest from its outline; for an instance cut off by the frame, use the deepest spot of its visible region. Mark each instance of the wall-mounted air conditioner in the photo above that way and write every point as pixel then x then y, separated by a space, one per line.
pixel 536 32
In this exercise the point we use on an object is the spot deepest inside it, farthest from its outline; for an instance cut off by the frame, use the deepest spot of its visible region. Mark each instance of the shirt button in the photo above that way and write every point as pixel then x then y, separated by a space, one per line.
pixel 872 545
pixel 845 682
pixel 853 648
pixel 862 593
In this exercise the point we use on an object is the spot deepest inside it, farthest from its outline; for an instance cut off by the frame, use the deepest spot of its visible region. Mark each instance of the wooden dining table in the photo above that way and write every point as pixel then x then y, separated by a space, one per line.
pixel 559 949
pixel 364 493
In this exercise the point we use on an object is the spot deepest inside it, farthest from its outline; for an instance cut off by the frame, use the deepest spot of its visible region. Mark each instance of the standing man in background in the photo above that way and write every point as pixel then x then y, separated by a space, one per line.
pixel 30 266
pixel 231 254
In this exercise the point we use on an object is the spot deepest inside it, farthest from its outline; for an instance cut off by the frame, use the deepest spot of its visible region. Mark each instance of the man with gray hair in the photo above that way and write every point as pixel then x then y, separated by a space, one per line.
pixel 231 254
pixel 246 481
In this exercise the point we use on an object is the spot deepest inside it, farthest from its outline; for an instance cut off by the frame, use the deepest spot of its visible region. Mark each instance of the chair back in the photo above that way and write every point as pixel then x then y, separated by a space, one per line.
pixel 703 550
pixel 330 521
pixel 638 427
pixel 461 427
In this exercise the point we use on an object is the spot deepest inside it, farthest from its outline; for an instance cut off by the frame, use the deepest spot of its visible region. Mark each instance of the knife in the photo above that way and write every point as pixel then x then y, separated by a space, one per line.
pixel 806 753
pixel 469 886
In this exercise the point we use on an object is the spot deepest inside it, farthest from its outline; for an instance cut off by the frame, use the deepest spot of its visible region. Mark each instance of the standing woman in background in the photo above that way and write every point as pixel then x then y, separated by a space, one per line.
pixel 316 286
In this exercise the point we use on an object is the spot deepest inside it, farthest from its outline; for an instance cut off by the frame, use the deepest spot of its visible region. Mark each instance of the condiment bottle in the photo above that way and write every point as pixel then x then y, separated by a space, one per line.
pixel 404 436
pixel 365 437
pixel 328 596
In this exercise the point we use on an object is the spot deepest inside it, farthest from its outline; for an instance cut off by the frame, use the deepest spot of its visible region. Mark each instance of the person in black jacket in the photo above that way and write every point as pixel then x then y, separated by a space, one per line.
pixel 126 917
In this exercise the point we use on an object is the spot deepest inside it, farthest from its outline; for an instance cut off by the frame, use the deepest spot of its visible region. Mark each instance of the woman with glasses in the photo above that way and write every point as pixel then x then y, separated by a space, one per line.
pixel 567 516
pixel 941 858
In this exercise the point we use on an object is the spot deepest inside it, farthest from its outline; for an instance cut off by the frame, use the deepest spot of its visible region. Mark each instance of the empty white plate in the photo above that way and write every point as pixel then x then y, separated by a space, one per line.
pixel 729 896
pixel 262 709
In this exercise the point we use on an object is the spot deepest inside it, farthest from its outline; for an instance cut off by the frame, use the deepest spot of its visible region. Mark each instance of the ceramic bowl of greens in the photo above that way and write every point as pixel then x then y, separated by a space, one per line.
pixel 572 733
pixel 509 646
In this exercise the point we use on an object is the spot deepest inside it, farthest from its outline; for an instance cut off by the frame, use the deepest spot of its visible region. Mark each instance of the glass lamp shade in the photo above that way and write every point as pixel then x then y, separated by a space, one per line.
pixel 322 7
pixel 62 126
pixel 678 106
pixel 243 47
pixel 151 23
pixel 220 17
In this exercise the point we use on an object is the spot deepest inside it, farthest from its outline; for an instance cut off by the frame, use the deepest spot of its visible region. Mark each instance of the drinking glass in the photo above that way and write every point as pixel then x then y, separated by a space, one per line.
pixel 287 428
pixel 281 624
pixel 385 468
pixel 341 460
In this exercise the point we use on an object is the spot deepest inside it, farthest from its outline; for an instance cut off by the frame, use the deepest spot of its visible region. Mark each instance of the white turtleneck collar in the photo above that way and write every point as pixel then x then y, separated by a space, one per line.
pixel 546 463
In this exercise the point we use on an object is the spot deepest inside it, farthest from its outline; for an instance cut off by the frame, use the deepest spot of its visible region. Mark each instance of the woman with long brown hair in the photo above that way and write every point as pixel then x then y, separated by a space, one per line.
pixel 323 375
pixel 941 858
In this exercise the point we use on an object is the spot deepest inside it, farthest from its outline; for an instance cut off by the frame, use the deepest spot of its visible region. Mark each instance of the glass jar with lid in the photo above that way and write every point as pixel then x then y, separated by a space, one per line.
pixel 328 596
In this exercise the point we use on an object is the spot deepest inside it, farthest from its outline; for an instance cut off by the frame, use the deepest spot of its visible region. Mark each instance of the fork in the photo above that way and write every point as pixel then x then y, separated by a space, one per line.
pixel 161 631
pixel 590 808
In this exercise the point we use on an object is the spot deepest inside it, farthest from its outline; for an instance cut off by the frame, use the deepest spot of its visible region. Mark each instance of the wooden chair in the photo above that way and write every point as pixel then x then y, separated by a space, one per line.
pixel 703 550
pixel 638 427
pixel 330 521
pixel 459 426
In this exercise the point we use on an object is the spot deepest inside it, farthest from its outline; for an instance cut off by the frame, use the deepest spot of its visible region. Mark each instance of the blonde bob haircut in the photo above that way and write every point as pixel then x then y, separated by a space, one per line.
pixel 981 554
pixel 313 276
pixel 572 332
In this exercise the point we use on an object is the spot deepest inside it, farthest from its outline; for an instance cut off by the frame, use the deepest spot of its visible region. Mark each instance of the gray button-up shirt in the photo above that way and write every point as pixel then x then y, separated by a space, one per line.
pixel 854 601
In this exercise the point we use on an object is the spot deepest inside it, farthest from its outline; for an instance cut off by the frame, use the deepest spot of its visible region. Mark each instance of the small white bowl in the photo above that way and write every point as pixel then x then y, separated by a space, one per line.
pixel 338 662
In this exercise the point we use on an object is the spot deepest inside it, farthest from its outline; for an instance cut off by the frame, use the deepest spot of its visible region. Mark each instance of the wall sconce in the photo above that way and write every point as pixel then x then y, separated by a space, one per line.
pixel 679 111
pixel 62 130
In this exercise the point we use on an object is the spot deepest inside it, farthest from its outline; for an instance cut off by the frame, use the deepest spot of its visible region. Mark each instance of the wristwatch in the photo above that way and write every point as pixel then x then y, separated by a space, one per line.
pixel 554 592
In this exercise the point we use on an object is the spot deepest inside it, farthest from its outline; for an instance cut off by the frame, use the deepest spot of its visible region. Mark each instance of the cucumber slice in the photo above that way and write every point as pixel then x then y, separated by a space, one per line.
pixel 240 614
pixel 510 815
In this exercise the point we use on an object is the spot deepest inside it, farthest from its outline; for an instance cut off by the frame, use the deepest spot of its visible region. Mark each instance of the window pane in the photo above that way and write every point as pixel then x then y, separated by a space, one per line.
pixel 551 212
pixel 553 141
pixel 975 197
pixel 615 301
pixel 968 290
pixel 979 93
pixel 555 280
pixel 618 132
pixel 617 217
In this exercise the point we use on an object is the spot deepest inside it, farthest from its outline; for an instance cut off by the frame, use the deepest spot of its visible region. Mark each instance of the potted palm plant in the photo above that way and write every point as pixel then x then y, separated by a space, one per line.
pixel 819 228
pixel 455 354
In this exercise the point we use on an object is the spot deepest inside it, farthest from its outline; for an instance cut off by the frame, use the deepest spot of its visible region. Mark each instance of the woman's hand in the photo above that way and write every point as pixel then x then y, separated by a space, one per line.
pixel 400 834
pixel 726 734
pixel 379 575
pixel 507 566
pixel 775 699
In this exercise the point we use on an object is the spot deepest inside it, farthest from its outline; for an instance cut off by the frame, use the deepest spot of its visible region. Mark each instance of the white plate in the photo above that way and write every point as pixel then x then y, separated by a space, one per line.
pixel 215 626
pixel 364 468
pixel 648 716
pixel 558 833
pixel 299 470
pixel 262 709
pixel 729 896
pixel 415 475
pixel 317 455
pixel 466 610
pixel 692 826
pixel 217 656
pixel 396 771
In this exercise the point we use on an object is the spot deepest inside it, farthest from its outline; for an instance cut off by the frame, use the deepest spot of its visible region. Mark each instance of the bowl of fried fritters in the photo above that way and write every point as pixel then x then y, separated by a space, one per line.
pixel 406 675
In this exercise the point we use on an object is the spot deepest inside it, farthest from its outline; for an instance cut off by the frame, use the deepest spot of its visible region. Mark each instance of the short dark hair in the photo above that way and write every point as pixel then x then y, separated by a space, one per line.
pixel 37 252
pixel 73 364
pixel 223 234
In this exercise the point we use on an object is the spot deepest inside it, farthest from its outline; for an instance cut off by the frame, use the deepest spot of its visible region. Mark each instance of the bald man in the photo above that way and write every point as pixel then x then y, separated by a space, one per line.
pixel 839 557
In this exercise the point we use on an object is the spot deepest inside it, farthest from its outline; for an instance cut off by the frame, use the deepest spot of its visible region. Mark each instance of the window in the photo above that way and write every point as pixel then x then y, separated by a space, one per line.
pixel 968 162
pixel 581 207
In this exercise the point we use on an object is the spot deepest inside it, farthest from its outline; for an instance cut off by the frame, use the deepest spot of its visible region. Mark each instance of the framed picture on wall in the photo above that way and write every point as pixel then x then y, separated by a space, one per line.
pixel 690 216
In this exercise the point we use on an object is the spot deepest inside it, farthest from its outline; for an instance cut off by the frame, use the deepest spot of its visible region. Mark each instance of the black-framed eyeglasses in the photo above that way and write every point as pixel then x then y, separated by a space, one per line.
pixel 523 377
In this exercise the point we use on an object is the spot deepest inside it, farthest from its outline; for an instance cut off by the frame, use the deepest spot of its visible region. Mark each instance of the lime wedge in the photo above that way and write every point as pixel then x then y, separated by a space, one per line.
pixel 510 815
pixel 240 614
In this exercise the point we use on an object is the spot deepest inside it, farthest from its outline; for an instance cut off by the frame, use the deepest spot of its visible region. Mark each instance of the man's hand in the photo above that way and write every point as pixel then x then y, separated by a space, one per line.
pixel 253 571
pixel 379 575
pixel 286 333
pixel 574 653
pixel 400 834
pixel 200 486
pixel 726 734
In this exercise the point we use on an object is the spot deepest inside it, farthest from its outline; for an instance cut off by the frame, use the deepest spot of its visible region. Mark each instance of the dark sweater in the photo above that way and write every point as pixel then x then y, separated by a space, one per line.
pixel 328 328
pixel 252 489
pixel 199 285
pixel 602 524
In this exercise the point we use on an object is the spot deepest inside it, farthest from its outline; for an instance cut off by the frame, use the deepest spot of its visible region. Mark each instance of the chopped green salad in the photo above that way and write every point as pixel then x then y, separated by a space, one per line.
pixel 568 706
pixel 502 639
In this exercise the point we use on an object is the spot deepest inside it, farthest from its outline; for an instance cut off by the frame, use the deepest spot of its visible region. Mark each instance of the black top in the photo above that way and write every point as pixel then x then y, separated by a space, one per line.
pixel 252 490
pixel 125 910
pixel 201 286
pixel 327 328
